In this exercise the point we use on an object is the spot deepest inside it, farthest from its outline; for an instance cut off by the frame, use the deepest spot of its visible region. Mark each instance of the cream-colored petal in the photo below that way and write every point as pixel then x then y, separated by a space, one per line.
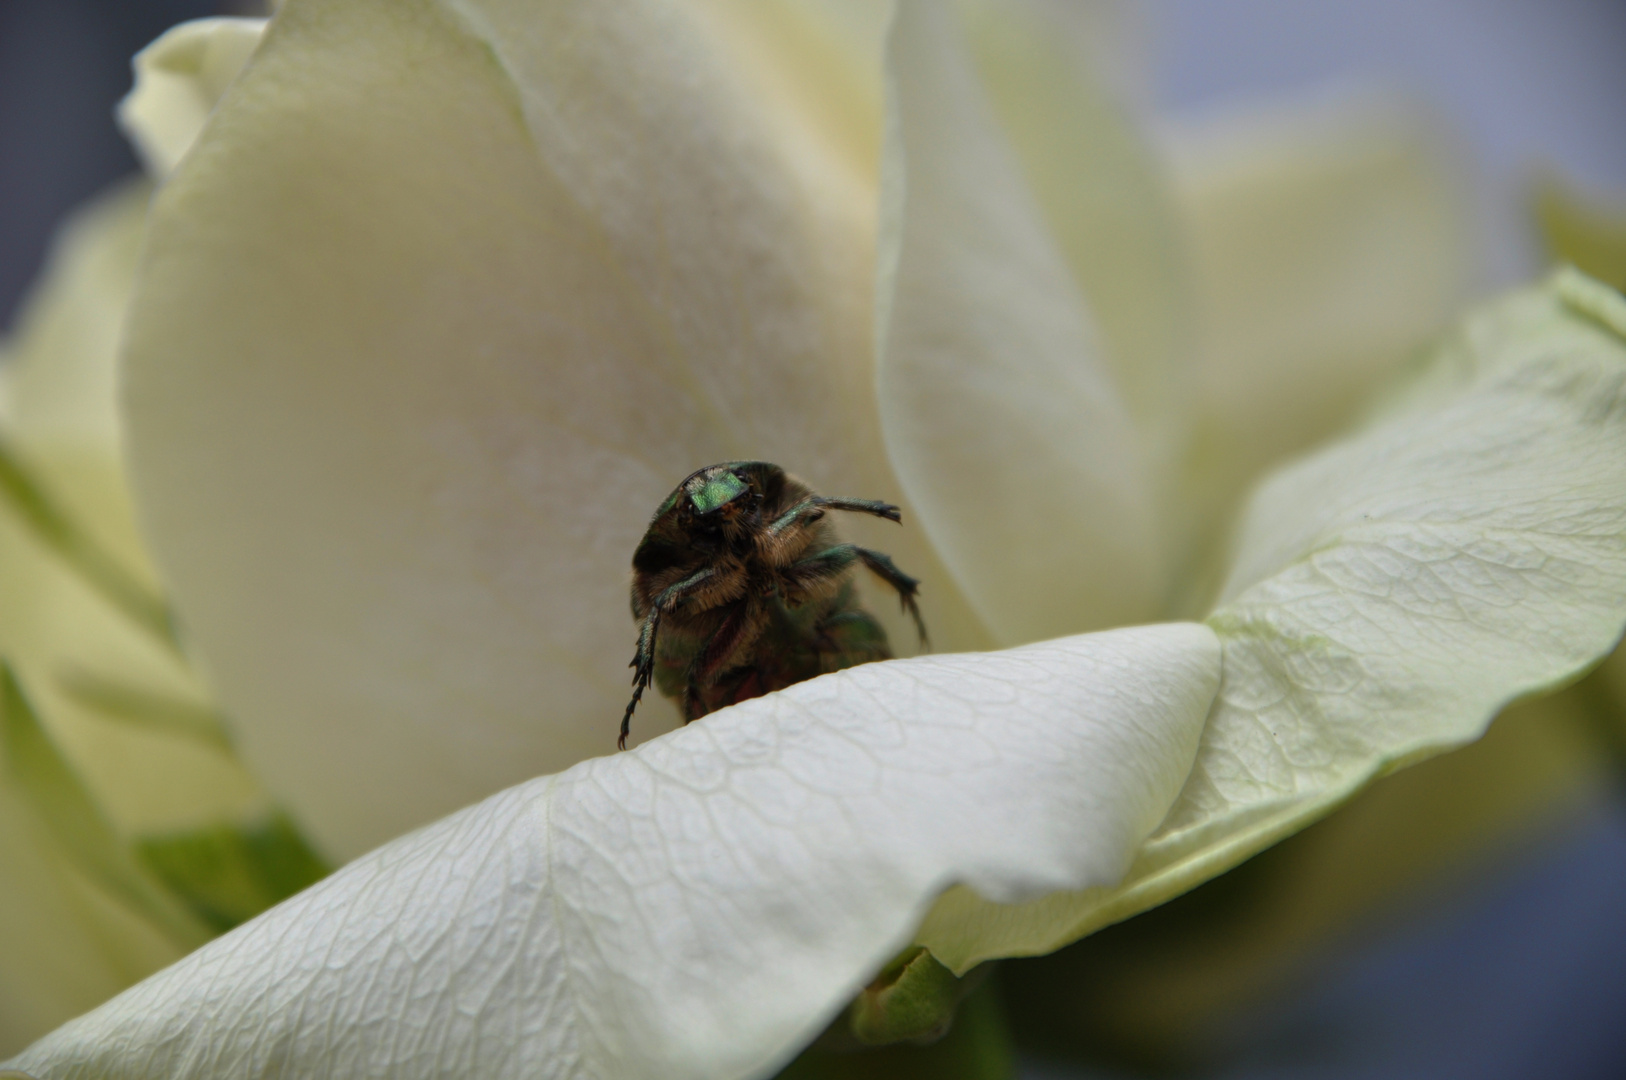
pixel 60 423
pixel 1001 419
pixel 1328 239
pixel 65 945
pixel 178 80
pixel 1393 592
pixel 823 58
pixel 445 300
pixel 699 907
pixel 1060 77
pixel 1583 228
pixel 60 357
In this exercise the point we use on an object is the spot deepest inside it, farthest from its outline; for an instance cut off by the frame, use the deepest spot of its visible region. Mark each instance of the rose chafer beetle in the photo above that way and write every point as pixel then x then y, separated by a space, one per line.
pixel 741 587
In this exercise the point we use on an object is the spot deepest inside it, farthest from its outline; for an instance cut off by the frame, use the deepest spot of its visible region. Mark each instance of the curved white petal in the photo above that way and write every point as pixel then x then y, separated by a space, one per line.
pixel 67 943
pixel 1585 229
pixel 699 907
pixel 60 359
pixel 1000 417
pixel 1329 239
pixel 444 301
pixel 1392 593
pixel 67 946
pixel 178 80
pixel 1062 79
pixel 60 422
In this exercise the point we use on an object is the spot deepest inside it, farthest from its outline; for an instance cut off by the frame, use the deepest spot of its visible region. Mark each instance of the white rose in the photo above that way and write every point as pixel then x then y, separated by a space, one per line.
pixel 446 297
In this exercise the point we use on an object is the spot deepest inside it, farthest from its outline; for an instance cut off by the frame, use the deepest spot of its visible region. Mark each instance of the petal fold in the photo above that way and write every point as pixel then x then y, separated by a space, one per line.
pixel 1001 417
pixel 178 80
pixel 1328 239
pixel 701 906
pixel 445 299
pixel 1390 594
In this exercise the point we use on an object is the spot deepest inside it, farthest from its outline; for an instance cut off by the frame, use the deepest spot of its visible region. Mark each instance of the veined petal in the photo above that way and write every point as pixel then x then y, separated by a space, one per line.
pixel 443 302
pixel 1392 593
pixel 699 907
pixel 1002 421
pixel 1329 239
pixel 178 80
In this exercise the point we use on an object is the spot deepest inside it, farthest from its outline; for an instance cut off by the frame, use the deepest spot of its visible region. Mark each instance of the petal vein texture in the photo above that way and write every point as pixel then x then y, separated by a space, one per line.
pixel 699 907
pixel 1392 592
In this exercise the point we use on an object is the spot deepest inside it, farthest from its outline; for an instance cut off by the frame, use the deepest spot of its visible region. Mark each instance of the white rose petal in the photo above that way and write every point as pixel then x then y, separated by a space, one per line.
pixel 61 424
pixel 432 319
pixel 1000 416
pixel 1391 594
pixel 66 941
pixel 65 945
pixel 1329 239
pixel 699 907
pixel 179 79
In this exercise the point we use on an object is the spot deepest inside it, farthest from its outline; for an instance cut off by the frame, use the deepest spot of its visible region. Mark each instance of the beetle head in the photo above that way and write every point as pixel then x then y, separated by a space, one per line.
pixel 718 493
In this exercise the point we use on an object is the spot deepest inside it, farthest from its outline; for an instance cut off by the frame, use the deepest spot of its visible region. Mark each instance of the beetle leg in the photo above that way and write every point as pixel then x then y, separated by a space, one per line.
pixel 643 665
pixel 739 629
pixel 808 510
pixel 882 567
pixel 784 538
pixel 643 661
pixel 862 506
pixel 813 507
pixel 805 575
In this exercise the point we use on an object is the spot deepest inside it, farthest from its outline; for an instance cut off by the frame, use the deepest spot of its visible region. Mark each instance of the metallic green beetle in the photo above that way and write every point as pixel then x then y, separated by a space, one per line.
pixel 741 587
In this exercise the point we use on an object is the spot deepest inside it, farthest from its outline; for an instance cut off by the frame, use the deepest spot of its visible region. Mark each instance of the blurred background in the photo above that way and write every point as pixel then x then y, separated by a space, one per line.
pixel 1462 919
pixel 1465 918
pixel 63 66
pixel 1534 88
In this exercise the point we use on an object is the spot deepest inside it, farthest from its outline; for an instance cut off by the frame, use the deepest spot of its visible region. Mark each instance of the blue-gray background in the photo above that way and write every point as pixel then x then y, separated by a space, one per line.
pixel 63 65
pixel 1519 972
